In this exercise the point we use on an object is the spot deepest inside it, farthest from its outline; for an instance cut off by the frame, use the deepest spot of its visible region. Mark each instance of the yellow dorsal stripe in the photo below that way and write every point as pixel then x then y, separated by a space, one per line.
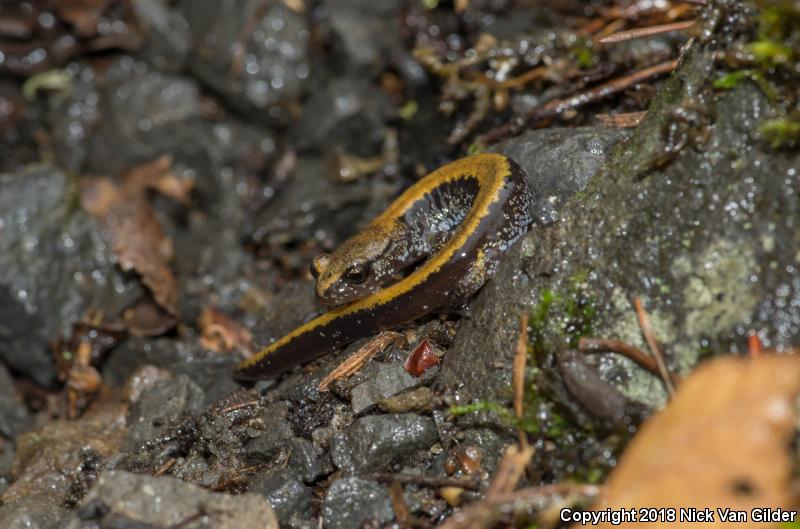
pixel 490 170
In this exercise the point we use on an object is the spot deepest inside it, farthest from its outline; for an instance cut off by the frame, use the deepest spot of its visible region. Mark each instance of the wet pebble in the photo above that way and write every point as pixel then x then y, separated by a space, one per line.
pixel 133 500
pixel 389 381
pixel 351 502
pixel 560 162
pixel 289 497
pixel 273 65
pixel 278 441
pixel 373 442
pixel 31 512
pixel 14 415
pixel 161 407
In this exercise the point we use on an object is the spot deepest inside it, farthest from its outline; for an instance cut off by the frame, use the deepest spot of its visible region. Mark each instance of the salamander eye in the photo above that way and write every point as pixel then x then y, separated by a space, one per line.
pixel 356 274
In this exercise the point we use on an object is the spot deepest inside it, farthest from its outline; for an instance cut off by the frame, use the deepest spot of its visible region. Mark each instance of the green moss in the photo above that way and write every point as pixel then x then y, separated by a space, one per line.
pixel 570 313
pixel 482 405
pixel 778 33
pixel 407 111
pixel 781 132
pixel 583 54
pixel 733 79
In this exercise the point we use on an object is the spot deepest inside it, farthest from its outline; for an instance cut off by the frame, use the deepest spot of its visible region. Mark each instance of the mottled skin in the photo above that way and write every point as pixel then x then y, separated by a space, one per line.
pixel 432 249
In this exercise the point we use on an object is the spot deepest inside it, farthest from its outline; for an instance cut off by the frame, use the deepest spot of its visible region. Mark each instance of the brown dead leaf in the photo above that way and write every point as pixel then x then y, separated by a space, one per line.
pixel 142 246
pixel 223 334
pixel 159 176
pixel 138 239
pixel 84 15
pixel 724 441
pixel 147 319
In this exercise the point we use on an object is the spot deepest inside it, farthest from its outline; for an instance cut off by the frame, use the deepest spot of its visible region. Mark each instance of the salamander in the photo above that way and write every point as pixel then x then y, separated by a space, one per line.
pixel 431 250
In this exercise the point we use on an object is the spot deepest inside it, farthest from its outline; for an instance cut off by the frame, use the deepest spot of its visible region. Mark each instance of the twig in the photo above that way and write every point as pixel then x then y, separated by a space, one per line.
pixel 518 376
pixel 360 357
pixel 484 514
pixel 649 336
pixel 602 345
pixel 238 477
pixel 649 31
pixel 399 505
pixel 238 406
pixel 557 106
pixel 165 467
pixel 510 470
pixel 426 481
pixel 754 345
pixel 622 120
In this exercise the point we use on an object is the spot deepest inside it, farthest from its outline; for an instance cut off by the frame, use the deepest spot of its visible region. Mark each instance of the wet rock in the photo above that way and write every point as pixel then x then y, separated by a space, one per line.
pixel 31 512
pixel 169 40
pixel 136 500
pixel 59 459
pixel 303 457
pixel 135 353
pixel 53 265
pixel 560 162
pixel 349 114
pixel 14 415
pixel 389 381
pixel 212 376
pixel 17 125
pixel 352 502
pixel 278 441
pixel 272 68
pixel 702 238
pixel 296 216
pixel 289 498
pixel 161 407
pixel 6 460
pixel 367 33
pixel 373 442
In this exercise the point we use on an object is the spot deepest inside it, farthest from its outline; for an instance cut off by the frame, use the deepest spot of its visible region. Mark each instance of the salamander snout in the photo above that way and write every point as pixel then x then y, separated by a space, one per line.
pixel 339 282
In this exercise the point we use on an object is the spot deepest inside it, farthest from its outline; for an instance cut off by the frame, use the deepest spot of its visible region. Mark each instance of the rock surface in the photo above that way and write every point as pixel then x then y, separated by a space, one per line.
pixel 124 498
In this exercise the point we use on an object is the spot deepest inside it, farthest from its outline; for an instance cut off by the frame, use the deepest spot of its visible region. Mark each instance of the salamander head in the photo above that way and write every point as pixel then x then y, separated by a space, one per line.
pixel 359 267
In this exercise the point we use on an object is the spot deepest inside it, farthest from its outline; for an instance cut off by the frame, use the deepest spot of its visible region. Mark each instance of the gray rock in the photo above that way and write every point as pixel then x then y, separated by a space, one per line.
pixel 371 443
pixel 278 441
pixel 6 460
pixel 53 265
pixel 705 237
pixel 303 456
pixel 212 376
pixel 32 512
pixel 169 39
pixel 161 407
pixel 289 498
pixel 560 162
pixel 389 381
pixel 134 353
pixel 351 502
pixel 123 497
pixel 368 32
pixel 14 415
pixel 275 64
pixel 347 113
